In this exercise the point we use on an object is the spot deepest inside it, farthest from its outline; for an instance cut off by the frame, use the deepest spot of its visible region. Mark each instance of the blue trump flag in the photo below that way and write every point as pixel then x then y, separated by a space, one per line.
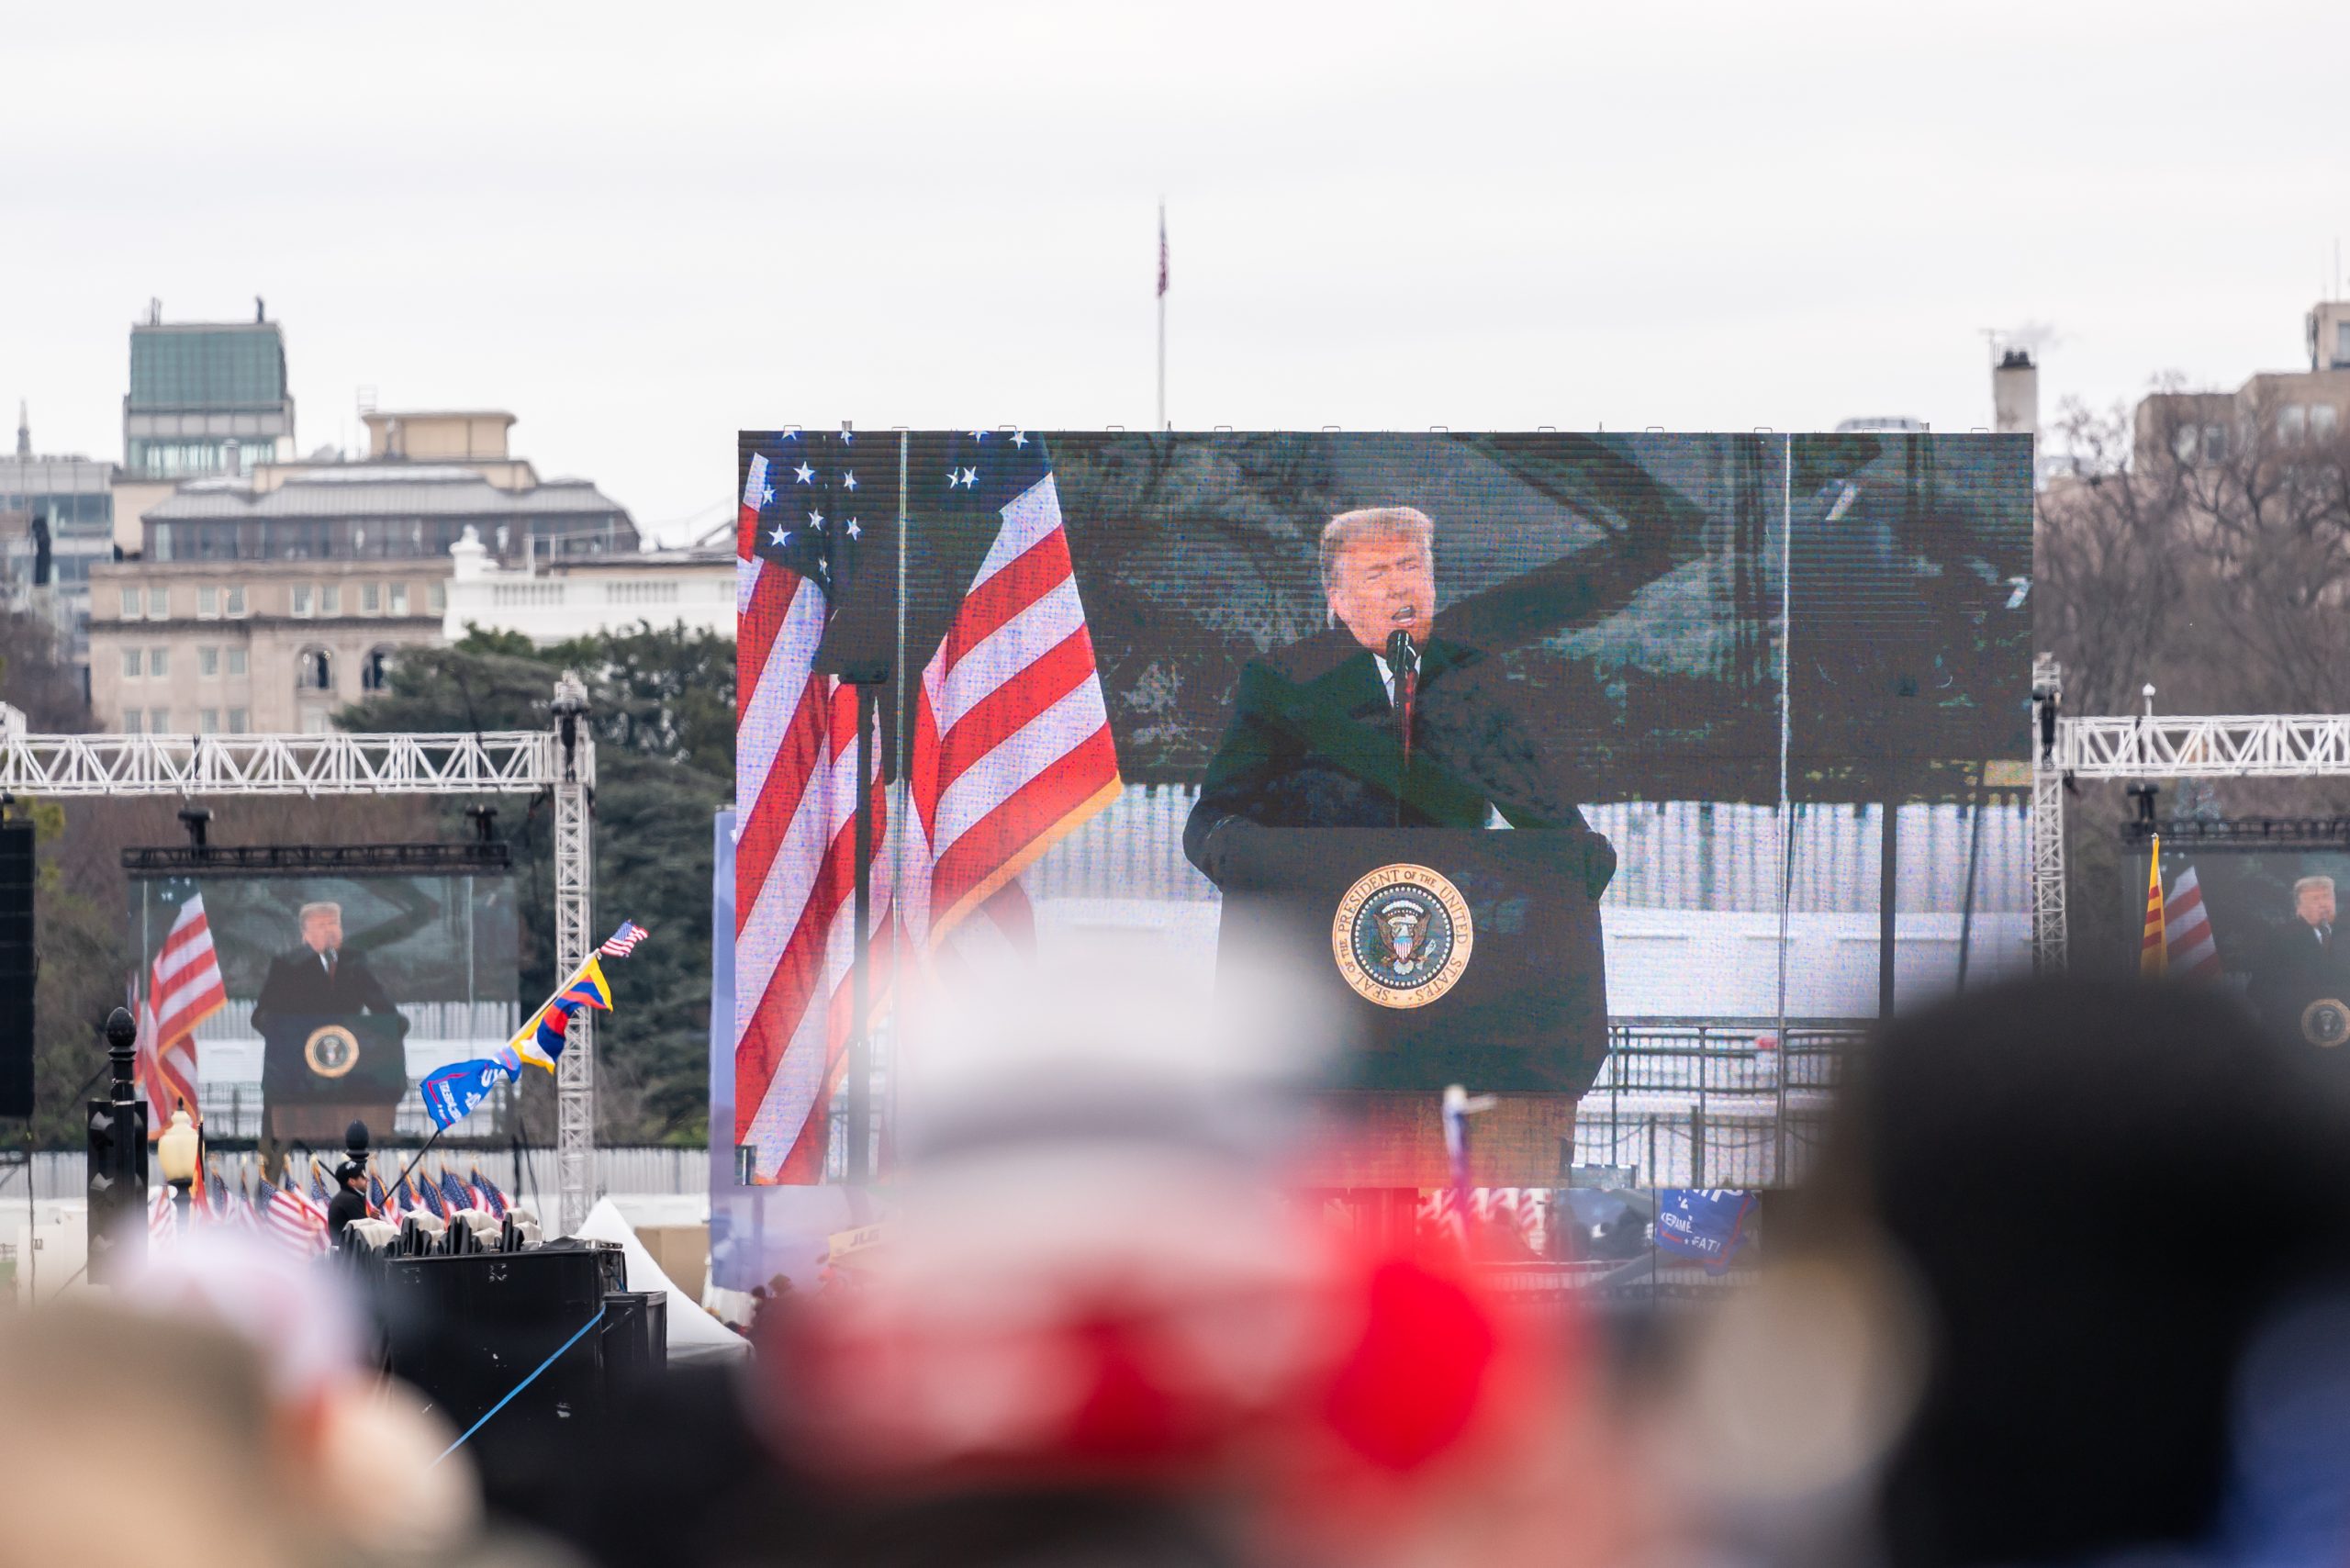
pixel 1705 1223
pixel 450 1094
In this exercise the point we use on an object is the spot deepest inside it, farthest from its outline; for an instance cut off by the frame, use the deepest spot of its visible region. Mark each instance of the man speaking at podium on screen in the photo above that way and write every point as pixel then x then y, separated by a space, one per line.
pixel 1378 722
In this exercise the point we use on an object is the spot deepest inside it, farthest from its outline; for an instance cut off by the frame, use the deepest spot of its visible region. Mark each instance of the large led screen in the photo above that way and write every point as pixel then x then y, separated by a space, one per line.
pixel 1518 744
pixel 341 990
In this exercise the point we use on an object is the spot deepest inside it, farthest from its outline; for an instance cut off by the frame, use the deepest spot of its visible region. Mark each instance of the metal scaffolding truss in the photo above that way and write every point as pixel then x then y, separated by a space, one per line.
pixel 2267 746
pixel 2152 745
pixel 561 760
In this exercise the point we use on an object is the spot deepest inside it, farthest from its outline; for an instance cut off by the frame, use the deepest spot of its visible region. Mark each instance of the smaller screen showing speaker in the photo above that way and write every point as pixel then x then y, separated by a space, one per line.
pixel 2262 923
pixel 334 993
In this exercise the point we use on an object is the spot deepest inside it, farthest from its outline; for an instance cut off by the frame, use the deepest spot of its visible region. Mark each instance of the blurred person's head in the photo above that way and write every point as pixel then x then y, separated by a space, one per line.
pixel 354 1459
pixel 1091 1321
pixel 2313 900
pixel 2098 1196
pixel 1379 573
pixel 349 1173
pixel 322 926
pixel 118 1429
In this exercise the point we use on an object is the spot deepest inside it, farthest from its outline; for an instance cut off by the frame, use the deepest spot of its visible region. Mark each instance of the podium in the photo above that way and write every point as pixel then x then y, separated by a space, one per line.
pixel 321 1072
pixel 1447 956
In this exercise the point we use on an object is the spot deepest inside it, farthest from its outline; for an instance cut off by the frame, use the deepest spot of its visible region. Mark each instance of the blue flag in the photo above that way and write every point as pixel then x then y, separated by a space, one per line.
pixel 1705 1223
pixel 450 1094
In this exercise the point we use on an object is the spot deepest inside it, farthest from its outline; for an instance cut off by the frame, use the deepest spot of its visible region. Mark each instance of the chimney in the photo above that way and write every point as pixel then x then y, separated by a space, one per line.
pixel 2015 393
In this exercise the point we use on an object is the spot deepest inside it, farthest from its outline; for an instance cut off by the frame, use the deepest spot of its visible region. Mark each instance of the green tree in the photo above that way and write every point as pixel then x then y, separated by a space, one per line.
pixel 661 707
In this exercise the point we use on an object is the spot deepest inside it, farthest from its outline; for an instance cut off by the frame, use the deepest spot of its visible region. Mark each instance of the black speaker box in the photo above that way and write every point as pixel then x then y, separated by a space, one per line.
pixel 16 968
pixel 468 1329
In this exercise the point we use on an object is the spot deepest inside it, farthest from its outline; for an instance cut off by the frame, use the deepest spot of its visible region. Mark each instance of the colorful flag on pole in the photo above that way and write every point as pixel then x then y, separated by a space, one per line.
pixel 1705 1223
pixel 454 1193
pixel 451 1093
pixel 184 988
pixel 2154 949
pixel 2191 951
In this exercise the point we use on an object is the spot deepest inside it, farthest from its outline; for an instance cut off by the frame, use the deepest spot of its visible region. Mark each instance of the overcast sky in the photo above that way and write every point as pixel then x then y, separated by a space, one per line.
pixel 641 228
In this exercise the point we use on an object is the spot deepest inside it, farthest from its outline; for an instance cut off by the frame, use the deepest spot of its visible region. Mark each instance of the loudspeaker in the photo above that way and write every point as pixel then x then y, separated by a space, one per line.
pixel 468 1330
pixel 636 1333
pixel 15 968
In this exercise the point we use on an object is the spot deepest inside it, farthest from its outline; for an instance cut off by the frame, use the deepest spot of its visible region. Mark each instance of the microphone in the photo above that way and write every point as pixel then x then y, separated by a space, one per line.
pixel 1404 662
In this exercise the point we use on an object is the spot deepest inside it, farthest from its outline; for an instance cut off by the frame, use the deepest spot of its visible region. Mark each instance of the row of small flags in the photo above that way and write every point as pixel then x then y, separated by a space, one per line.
pixel 451 1093
pixel 283 1211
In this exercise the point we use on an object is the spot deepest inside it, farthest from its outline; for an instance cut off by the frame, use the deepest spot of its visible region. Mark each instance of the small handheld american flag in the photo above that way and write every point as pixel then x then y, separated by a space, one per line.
pixel 621 943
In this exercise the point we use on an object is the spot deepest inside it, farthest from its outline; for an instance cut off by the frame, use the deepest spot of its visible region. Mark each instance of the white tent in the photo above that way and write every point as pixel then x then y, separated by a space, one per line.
pixel 694 1335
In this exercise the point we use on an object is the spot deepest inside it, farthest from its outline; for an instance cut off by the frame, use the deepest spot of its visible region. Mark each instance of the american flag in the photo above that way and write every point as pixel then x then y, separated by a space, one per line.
pixel 492 1200
pixel 458 1196
pixel 379 1202
pixel 1009 745
pixel 621 943
pixel 290 1219
pixel 434 1204
pixel 184 988
pixel 321 1193
pixel 2187 929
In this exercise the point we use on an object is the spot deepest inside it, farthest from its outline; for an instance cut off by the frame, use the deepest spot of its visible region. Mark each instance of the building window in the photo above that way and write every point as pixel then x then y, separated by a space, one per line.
pixel 399 599
pixel 159 662
pixel 159 721
pixel 376 673
pixel 314 723
pixel 2321 421
pixel 159 604
pixel 371 598
pixel 208 604
pixel 236 661
pixel 208 721
pixel 236 721
pixel 134 664
pixel 315 670
pixel 236 601
pixel 301 602
pixel 330 599
pixel 2341 344
pixel 130 720
pixel 207 660
pixel 2292 423
pixel 436 598
pixel 130 604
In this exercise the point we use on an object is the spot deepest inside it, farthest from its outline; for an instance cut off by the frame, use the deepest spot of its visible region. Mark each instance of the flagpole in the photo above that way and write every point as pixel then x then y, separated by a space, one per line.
pixel 1161 422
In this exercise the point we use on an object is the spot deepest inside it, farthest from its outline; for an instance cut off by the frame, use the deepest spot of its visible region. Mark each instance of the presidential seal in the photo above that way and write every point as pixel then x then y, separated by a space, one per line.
pixel 2325 1022
pixel 1402 936
pixel 331 1050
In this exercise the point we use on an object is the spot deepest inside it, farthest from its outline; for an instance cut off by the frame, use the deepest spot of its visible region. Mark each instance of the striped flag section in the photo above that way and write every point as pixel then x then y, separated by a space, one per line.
pixel 184 988
pixel 1011 745
pixel 796 783
pixel 2154 949
pixel 621 943
pixel 2191 952
pixel 1008 744
pixel 290 1219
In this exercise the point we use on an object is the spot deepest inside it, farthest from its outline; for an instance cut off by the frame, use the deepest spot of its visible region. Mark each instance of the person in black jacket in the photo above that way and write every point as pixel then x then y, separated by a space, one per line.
pixel 318 980
pixel 1327 732
pixel 349 1203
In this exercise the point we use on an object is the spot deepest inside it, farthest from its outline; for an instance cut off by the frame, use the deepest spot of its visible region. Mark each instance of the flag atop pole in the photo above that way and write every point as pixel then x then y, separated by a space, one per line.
pixel 2154 944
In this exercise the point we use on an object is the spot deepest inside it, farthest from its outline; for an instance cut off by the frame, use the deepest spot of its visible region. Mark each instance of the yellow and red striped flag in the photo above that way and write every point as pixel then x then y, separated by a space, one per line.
pixel 2154 945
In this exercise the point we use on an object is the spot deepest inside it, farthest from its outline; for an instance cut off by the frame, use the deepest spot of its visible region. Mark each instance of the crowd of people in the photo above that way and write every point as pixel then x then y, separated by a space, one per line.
pixel 2067 1284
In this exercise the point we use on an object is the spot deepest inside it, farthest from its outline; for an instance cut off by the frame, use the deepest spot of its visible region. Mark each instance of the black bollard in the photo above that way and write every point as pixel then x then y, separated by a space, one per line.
pixel 117 1161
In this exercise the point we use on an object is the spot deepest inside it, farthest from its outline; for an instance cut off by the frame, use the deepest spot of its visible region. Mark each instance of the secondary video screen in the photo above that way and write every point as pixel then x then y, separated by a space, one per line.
pixel 341 990
pixel 2259 922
